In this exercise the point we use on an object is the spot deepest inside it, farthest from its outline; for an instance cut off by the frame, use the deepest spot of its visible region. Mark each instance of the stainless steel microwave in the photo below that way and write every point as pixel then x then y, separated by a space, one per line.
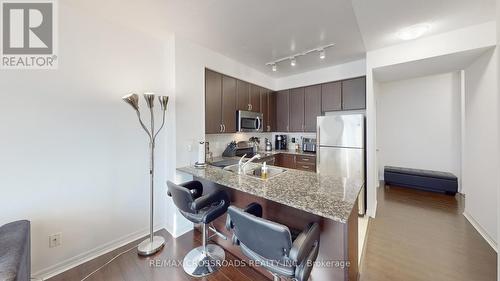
pixel 249 121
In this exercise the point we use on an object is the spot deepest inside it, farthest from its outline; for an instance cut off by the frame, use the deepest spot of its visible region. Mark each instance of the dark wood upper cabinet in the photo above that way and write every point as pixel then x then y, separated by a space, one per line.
pixel 354 94
pixel 272 111
pixel 312 107
pixel 243 95
pixel 254 98
pixel 296 110
pixel 282 107
pixel 228 104
pixel 213 102
pixel 331 96
pixel 264 108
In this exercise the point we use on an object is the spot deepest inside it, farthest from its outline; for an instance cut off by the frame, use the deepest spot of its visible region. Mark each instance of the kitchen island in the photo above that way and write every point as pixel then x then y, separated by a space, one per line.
pixel 295 198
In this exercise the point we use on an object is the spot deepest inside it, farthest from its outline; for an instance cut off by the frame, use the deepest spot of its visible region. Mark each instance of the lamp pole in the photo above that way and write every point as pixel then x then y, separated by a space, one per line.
pixel 154 243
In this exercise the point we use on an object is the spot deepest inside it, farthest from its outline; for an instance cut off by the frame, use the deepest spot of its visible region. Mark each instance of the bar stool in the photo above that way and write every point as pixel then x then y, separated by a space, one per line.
pixel 206 259
pixel 270 244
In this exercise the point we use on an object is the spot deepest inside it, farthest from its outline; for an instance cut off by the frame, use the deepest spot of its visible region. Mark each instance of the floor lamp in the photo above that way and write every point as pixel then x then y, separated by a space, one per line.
pixel 154 243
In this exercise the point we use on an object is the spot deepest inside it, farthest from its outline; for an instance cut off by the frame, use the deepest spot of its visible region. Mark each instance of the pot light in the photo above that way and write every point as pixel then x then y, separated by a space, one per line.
pixel 293 61
pixel 274 67
pixel 322 54
pixel 414 31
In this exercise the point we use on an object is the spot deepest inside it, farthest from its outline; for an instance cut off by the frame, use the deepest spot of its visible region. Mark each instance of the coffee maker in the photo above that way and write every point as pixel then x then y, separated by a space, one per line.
pixel 280 142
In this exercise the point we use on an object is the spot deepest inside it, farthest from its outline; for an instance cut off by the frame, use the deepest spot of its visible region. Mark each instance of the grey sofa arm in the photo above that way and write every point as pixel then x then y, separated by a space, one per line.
pixel 15 251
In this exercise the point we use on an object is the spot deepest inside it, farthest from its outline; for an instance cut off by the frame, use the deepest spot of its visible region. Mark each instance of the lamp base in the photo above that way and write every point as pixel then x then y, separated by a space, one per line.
pixel 148 247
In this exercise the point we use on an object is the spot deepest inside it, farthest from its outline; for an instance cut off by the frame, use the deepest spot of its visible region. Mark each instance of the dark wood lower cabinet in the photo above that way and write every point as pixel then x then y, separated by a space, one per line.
pixel 299 162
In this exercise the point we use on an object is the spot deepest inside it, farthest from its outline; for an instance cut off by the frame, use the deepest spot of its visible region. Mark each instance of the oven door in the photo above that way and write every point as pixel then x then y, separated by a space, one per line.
pixel 249 121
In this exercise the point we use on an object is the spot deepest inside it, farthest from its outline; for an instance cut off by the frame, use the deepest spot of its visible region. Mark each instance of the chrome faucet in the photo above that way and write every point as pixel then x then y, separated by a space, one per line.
pixel 241 165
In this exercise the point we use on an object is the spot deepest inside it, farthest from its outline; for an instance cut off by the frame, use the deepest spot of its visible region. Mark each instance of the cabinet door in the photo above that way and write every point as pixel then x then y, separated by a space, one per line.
pixel 354 94
pixel 282 122
pixel 312 107
pixel 287 161
pixel 255 98
pixel 213 102
pixel 229 104
pixel 243 95
pixel 272 111
pixel 264 108
pixel 296 110
pixel 331 96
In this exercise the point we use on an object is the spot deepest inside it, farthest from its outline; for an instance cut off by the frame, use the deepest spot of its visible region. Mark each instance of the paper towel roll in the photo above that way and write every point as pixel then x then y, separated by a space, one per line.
pixel 201 152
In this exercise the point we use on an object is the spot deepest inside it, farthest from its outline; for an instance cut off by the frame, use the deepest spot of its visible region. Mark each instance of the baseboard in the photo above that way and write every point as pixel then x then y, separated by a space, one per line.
pixel 63 266
pixel 481 231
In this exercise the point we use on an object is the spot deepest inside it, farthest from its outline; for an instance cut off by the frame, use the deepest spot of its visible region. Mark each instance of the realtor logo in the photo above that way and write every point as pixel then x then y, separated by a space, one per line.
pixel 28 34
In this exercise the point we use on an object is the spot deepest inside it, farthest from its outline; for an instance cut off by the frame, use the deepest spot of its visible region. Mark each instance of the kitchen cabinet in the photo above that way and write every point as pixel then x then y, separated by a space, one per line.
pixel 282 107
pixel 264 108
pixel 296 110
pixel 354 94
pixel 305 163
pixel 285 160
pixel 272 111
pixel 254 104
pixel 331 96
pixel 312 107
pixel 299 162
pixel 213 104
pixel 228 104
pixel 243 95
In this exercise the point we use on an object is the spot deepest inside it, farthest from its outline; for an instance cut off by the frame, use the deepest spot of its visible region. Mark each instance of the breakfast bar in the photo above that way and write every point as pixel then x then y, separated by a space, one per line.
pixel 295 198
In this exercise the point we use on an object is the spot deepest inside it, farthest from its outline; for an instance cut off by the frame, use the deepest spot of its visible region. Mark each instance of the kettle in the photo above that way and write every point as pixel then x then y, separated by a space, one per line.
pixel 269 146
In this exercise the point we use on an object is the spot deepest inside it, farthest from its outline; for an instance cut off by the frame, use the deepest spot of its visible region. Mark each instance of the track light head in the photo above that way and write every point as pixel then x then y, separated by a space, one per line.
pixel 322 54
pixel 293 61
pixel 274 67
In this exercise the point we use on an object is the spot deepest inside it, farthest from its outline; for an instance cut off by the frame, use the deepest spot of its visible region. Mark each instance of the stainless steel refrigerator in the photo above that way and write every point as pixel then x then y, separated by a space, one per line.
pixel 341 148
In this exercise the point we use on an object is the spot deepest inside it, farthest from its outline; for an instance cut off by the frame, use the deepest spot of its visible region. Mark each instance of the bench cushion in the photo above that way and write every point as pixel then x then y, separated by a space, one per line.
pixel 421 179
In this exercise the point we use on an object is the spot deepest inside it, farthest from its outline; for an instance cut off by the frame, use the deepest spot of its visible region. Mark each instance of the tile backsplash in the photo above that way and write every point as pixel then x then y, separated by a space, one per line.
pixel 218 142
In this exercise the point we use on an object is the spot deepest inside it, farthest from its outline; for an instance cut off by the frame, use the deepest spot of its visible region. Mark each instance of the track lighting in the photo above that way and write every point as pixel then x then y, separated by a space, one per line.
pixel 293 58
pixel 322 54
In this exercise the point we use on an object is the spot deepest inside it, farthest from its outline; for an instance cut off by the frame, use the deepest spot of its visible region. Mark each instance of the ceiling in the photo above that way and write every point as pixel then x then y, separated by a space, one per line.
pixel 259 31
pixel 380 20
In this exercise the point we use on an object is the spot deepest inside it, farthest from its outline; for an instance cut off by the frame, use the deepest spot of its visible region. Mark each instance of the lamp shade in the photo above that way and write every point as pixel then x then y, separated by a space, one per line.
pixel 133 100
pixel 150 99
pixel 163 102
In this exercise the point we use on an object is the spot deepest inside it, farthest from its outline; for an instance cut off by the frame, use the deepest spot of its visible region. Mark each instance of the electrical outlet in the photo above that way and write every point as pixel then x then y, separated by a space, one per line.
pixel 55 240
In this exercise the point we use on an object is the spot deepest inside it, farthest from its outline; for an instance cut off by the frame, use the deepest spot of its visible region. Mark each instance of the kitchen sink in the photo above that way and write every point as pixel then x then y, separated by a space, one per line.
pixel 255 171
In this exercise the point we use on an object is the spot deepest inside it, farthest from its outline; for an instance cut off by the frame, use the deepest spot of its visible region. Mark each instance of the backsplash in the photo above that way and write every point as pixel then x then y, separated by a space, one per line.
pixel 218 142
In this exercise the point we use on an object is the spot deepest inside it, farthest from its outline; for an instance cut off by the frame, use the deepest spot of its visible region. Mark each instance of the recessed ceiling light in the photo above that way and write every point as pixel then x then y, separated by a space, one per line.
pixel 414 31
pixel 322 54
pixel 293 61
pixel 274 67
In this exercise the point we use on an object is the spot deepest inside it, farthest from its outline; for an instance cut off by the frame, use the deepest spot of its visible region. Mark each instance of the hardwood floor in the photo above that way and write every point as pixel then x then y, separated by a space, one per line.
pixel 421 235
pixel 131 267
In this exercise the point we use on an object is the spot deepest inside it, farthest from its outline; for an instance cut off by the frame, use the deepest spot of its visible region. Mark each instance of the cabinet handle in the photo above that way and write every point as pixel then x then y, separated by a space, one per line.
pixel 224 128
pixel 220 129
pixel 305 167
pixel 268 128
pixel 305 159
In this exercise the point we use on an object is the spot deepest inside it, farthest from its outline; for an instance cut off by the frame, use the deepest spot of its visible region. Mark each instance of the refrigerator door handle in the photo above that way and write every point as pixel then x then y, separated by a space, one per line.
pixel 318 161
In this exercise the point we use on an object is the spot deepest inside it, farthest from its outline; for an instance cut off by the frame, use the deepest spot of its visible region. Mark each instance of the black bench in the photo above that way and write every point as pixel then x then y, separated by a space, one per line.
pixel 442 182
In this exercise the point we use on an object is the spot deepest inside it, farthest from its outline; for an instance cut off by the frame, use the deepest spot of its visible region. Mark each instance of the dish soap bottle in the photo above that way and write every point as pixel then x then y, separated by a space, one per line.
pixel 263 171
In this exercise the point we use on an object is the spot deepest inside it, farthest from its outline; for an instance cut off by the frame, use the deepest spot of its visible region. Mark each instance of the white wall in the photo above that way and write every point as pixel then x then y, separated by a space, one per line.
pixel 73 157
pixel 418 123
pixel 323 75
pixel 481 161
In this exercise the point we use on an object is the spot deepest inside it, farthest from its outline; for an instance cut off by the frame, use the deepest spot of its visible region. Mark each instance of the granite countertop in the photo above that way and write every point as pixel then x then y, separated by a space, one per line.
pixel 326 196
